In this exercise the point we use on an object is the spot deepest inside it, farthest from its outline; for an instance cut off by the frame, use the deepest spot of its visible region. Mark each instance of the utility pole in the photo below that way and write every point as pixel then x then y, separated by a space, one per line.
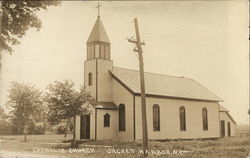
pixel 1 52
pixel 143 95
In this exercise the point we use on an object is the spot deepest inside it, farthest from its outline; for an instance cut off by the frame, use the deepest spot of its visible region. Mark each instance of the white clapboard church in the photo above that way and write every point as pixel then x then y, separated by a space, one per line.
pixel 177 107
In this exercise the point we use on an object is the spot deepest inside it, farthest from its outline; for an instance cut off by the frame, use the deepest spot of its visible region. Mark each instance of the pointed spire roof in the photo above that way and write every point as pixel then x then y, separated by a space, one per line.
pixel 98 32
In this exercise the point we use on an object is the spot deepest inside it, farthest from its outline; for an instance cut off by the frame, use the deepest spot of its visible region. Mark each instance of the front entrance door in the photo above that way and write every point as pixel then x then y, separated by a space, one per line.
pixel 85 127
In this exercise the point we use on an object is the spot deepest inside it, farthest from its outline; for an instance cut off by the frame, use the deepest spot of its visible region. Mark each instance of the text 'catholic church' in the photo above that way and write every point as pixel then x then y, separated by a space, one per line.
pixel 177 107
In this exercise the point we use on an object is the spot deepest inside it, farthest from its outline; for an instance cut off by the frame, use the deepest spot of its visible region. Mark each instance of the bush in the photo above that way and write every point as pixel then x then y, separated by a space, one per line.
pixel 39 128
pixel 61 128
pixel 35 128
pixel 5 128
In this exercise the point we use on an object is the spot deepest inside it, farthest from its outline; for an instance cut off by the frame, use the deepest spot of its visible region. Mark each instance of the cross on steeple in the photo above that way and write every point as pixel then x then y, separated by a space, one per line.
pixel 98 6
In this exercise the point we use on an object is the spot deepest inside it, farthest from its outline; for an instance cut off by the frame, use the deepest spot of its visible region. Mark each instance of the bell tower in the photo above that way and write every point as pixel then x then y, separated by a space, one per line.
pixel 98 44
pixel 97 79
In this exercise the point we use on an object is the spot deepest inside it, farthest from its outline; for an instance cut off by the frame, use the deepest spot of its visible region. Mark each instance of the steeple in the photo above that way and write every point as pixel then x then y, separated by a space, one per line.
pixel 98 44
pixel 98 33
pixel 97 78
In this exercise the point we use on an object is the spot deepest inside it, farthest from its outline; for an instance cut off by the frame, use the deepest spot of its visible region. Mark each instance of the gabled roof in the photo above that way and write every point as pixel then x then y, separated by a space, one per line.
pixel 231 118
pixel 223 109
pixel 163 85
pixel 105 105
pixel 98 33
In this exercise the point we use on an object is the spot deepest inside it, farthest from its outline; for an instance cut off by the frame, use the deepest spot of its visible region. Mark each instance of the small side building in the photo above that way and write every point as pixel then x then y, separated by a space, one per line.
pixel 227 123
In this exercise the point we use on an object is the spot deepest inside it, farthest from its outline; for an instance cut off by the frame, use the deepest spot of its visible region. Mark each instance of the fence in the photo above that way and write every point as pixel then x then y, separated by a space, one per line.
pixel 242 133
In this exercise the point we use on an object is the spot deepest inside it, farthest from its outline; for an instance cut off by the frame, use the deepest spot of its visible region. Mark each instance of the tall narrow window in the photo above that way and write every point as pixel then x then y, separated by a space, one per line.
pixel 222 128
pixel 90 78
pixel 228 129
pixel 204 119
pixel 156 117
pixel 106 120
pixel 122 117
pixel 182 118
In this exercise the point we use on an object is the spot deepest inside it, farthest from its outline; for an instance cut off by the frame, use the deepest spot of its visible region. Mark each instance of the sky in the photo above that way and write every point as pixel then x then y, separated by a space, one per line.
pixel 203 40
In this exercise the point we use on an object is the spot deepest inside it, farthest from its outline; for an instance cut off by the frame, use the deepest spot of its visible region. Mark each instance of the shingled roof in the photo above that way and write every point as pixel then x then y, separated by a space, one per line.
pixel 163 85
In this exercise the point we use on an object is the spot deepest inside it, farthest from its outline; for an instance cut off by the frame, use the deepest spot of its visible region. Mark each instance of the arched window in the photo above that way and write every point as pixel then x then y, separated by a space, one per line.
pixel 106 120
pixel 182 118
pixel 122 117
pixel 90 78
pixel 204 119
pixel 156 117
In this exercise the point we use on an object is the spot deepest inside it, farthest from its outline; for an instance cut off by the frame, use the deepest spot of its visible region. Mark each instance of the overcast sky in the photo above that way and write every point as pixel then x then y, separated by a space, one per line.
pixel 203 40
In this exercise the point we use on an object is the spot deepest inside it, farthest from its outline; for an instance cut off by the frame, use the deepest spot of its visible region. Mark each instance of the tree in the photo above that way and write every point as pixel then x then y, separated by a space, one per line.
pixel 25 102
pixel 65 102
pixel 4 122
pixel 17 17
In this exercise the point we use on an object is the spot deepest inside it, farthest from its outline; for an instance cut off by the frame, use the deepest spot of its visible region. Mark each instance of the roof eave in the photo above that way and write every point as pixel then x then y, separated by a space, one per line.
pixel 231 118
pixel 177 98
pixel 106 108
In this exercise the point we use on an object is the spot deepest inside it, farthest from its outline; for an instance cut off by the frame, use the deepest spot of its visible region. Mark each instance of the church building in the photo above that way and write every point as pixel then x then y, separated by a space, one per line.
pixel 177 107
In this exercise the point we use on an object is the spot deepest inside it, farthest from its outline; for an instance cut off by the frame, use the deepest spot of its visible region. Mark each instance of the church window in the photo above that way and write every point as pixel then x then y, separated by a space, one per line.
pixel 106 120
pixel 121 117
pixel 204 119
pixel 90 78
pixel 182 118
pixel 96 51
pixel 156 117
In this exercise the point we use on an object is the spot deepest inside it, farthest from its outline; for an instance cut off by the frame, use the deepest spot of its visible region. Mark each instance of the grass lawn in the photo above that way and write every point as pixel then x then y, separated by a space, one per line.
pixel 233 147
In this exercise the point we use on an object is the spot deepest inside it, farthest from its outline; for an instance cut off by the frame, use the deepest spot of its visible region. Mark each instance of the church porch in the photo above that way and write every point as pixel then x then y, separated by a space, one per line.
pixel 100 124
